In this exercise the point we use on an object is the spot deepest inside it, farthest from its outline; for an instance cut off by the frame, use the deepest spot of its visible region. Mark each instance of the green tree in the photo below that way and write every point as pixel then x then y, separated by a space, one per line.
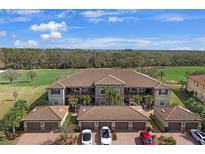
pixel 13 118
pixel 161 74
pixel 11 75
pixel 86 100
pixel 15 95
pixel 149 100
pixel 108 93
pixel 137 99
pixel 72 102
pixel 115 97
pixel 31 75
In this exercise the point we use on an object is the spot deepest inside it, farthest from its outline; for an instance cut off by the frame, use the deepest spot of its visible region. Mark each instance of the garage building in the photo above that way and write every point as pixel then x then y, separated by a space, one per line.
pixel 45 118
pixel 119 118
pixel 177 118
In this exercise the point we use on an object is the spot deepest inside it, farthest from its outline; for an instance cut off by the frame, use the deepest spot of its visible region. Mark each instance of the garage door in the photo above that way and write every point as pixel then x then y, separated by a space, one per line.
pixel 101 124
pixel 120 126
pixel 174 126
pixel 191 125
pixel 138 125
pixel 51 125
pixel 88 125
pixel 33 126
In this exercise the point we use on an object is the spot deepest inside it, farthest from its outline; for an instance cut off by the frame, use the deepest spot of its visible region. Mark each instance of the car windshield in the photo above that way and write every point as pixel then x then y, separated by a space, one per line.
pixel 202 134
pixel 86 136
pixel 105 133
pixel 149 141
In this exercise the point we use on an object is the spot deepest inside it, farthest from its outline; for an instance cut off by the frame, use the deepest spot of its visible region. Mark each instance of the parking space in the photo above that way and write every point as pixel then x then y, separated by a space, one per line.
pixel 132 138
pixel 37 138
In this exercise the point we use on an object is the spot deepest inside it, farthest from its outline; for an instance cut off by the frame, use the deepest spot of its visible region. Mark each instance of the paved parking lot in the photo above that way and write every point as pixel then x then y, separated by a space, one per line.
pixel 132 138
pixel 36 138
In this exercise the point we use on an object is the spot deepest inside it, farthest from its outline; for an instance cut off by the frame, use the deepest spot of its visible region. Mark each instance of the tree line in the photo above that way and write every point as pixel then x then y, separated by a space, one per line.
pixel 76 58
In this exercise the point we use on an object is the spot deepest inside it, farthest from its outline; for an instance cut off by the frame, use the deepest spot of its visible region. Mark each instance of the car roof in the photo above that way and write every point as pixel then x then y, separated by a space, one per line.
pixel 105 127
pixel 86 131
pixel 146 135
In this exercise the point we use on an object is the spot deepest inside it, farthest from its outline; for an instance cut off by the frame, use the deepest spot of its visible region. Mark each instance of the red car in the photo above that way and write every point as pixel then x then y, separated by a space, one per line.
pixel 146 138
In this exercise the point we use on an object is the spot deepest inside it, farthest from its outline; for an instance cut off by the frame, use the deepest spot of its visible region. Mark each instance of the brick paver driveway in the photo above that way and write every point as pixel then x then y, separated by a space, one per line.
pixel 36 138
pixel 132 138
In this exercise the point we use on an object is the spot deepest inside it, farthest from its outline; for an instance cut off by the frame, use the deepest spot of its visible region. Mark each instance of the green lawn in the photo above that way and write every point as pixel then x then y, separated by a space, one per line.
pixel 26 89
pixel 178 73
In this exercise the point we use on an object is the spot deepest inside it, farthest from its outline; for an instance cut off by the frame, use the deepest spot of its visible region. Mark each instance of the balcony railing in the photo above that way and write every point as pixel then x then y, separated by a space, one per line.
pixel 78 94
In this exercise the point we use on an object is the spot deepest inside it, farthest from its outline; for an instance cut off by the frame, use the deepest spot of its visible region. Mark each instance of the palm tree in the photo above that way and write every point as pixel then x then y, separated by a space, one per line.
pixel 116 99
pixel 86 100
pixel 108 94
pixel 137 99
pixel 72 102
pixel 161 75
pixel 149 100
pixel 13 118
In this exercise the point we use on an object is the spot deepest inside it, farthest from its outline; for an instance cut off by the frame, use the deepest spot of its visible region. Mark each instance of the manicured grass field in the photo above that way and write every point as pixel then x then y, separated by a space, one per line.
pixel 29 91
pixel 178 73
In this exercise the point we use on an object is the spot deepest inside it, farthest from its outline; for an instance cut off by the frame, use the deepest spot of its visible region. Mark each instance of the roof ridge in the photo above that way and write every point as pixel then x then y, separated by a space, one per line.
pixel 138 112
pixel 112 76
pixel 171 112
pixel 53 112
pixel 149 77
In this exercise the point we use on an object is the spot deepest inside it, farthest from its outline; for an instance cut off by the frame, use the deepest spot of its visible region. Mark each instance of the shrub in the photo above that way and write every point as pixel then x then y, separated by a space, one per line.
pixel 166 140
pixel 114 135
pixel 158 123
pixel 149 127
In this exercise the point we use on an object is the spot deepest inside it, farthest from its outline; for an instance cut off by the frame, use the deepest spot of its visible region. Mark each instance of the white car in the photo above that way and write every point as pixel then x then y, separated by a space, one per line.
pixel 86 137
pixel 105 136
pixel 198 135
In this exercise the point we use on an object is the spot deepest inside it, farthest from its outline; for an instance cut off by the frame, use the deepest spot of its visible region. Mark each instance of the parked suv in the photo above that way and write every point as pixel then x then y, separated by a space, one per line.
pixel 198 135
pixel 105 136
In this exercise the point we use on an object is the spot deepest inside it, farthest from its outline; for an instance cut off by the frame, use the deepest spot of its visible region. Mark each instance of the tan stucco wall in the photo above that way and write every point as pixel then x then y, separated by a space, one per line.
pixel 158 98
pixel 192 86
pixel 60 98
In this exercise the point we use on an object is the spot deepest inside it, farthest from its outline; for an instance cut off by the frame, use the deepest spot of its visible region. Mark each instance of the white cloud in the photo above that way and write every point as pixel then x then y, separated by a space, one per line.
pixel 110 43
pixel 51 26
pixel 115 19
pixel 2 33
pixel 51 36
pixel 182 48
pixel 98 13
pixel 170 18
pixel 26 44
pixel 22 11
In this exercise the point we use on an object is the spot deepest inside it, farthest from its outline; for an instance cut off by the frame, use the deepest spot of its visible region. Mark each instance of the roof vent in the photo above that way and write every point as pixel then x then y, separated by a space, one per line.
pixel 84 110
pixel 162 110
pixel 61 109
pixel 34 110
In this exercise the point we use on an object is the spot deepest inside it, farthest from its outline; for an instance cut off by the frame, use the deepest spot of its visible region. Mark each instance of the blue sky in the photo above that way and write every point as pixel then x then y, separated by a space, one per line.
pixel 103 29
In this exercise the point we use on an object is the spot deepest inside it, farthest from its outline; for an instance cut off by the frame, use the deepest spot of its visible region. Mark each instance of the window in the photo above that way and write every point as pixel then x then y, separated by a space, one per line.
pixel 55 91
pixel 197 84
pixel 102 92
pixel 133 89
pixel 195 93
pixel 162 102
pixel 163 92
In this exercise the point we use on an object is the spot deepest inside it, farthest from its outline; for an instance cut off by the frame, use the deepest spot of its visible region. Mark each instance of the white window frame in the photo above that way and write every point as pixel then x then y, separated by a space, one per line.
pixel 131 90
pixel 163 94
pixel 101 92
pixel 53 92
pixel 162 101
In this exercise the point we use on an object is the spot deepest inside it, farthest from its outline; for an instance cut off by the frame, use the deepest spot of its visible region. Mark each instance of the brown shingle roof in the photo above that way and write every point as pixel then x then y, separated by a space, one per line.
pixel 110 113
pixel 198 78
pixel 48 113
pixel 110 80
pixel 176 114
pixel 88 77
pixel 56 84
